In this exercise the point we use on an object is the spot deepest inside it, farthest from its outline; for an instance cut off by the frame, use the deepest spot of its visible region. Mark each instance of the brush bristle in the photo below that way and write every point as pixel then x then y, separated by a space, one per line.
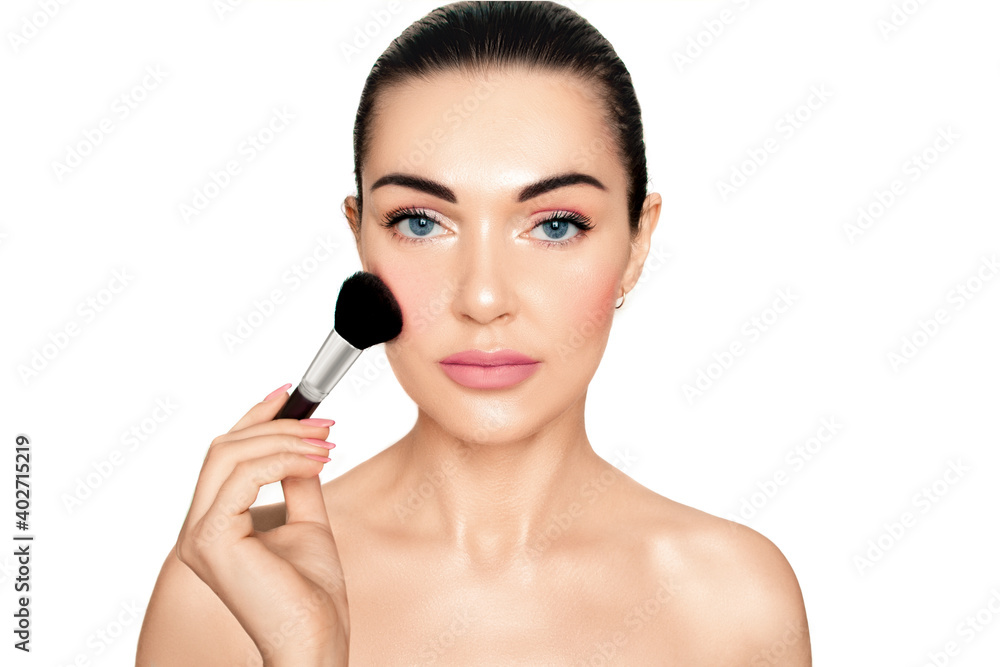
pixel 367 313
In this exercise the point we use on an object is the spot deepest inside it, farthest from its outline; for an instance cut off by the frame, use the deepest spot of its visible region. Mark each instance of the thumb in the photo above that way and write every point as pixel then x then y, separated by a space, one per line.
pixel 266 410
pixel 304 501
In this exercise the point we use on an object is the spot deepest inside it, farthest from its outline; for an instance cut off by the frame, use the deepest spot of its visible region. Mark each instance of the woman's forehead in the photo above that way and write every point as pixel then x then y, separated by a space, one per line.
pixel 512 127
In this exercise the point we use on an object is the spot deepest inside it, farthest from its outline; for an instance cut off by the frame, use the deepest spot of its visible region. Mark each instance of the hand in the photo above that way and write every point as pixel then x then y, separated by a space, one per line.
pixel 285 586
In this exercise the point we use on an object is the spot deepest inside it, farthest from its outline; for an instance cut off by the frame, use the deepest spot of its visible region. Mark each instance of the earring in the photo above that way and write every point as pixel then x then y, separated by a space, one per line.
pixel 622 297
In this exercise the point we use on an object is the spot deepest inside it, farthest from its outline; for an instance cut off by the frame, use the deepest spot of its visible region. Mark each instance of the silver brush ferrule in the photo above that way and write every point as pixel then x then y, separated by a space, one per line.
pixel 330 364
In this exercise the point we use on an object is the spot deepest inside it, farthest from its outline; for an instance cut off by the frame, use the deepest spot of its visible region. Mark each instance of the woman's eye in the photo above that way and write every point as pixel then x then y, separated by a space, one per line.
pixel 556 230
pixel 415 226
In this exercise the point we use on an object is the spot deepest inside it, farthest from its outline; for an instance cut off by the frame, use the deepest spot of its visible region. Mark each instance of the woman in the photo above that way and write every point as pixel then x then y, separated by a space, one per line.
pixel 501 177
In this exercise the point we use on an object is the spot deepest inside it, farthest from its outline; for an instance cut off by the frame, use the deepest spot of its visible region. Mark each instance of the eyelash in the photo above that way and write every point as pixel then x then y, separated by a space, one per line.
pixel 582 222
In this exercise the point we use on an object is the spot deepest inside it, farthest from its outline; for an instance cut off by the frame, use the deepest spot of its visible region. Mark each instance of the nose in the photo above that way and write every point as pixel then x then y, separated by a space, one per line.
pixel 486 276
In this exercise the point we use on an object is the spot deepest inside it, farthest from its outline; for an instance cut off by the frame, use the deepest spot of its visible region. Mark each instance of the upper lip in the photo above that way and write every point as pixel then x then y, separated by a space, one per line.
pixel 505 357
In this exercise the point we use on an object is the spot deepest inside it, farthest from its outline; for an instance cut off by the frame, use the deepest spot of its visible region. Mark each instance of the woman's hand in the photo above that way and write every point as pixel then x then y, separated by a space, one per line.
pixel 285 586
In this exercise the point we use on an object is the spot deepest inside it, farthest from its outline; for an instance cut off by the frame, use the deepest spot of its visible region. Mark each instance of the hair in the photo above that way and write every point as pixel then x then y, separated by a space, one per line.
pixel 479 37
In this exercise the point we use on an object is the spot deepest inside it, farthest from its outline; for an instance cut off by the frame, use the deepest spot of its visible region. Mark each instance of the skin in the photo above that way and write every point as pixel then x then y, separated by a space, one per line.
pixel 492 532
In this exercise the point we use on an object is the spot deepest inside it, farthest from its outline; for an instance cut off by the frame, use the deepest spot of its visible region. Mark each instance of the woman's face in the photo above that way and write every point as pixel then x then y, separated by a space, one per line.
pixel 468 259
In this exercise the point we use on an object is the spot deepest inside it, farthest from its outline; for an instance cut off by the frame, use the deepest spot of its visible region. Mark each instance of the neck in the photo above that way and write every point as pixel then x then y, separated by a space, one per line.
pixel 494 501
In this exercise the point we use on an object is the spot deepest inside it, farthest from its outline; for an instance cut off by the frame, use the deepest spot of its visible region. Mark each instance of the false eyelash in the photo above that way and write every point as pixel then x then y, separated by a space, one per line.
pixel 395 215
pixel 583 222
pixel 578 219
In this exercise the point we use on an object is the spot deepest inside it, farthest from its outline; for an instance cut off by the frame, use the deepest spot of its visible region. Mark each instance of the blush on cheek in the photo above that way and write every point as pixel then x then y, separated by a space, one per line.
pixel 590 304
pixel 595 292
pixel 422 296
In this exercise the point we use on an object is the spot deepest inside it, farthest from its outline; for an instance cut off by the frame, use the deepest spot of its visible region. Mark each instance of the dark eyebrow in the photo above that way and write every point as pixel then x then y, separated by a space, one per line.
pixel 529 192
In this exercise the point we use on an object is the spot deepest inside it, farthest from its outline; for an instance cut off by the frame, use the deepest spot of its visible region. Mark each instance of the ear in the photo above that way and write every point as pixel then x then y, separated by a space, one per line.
pixel 350 211
pixel 640 244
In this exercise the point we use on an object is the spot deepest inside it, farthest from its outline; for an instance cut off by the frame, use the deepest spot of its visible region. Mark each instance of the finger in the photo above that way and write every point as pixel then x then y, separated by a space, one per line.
pixel 288 426
pixel 304 501
pixel 266 410
pixel 228 519
pixel 222 459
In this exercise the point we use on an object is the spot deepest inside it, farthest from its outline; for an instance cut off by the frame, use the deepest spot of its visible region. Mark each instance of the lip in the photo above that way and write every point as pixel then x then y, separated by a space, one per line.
pixel 477 369
pixel 505 357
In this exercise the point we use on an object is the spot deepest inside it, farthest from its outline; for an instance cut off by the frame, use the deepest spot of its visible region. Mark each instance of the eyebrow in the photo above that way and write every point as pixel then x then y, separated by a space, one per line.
pixel 529 192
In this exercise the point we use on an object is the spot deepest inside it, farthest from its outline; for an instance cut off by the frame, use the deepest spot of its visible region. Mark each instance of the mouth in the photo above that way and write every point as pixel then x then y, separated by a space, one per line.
pixel 477 369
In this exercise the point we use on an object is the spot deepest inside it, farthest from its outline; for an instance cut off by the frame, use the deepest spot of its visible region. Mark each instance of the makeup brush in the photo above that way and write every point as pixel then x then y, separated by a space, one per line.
pixel 366 314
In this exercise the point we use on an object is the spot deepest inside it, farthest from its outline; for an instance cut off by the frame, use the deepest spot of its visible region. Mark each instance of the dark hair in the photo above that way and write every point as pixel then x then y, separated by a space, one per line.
pixel 483 36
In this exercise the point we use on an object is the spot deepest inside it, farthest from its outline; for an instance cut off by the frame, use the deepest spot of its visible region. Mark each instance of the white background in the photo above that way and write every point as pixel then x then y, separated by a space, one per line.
pixel 716 263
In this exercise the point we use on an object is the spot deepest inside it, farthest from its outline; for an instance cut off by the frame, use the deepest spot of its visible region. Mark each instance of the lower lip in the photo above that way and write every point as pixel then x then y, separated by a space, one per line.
pixel 489 377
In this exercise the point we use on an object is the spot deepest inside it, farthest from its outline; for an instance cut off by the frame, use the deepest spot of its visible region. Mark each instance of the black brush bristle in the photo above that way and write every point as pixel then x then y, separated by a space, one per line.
pixel 367 313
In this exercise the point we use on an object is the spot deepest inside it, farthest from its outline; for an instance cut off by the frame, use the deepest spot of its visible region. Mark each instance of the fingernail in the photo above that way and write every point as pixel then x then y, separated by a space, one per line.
pixel 278 392
pixel 319 443
pixel 312 421
pixel 316 458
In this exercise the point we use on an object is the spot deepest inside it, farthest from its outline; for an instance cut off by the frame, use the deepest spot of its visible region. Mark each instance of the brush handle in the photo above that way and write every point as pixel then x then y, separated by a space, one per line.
pixel 297 407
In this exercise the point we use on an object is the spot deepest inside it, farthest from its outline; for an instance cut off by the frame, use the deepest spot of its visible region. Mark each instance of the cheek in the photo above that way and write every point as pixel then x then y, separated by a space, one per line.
pixel 580 314
pixel 597 291
pixel 423 297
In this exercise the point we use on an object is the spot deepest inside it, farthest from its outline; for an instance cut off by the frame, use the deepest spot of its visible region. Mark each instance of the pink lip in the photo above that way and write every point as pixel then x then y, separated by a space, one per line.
pixel 488 370
pixel 479 358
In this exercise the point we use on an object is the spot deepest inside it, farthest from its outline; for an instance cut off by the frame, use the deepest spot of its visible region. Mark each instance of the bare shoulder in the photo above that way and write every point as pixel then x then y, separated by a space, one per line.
pixel 186 623
pixel 736 589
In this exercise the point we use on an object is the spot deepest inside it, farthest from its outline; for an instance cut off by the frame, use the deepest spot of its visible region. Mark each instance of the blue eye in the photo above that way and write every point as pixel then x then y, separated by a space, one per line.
pixel 417 225
pixel 413 225
pixel 556 227
pixel 420 226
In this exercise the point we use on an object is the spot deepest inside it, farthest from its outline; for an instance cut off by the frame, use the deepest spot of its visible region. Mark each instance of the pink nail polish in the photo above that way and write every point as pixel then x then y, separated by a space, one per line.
pixel 316 458
pixel 278 392
pixel 312 421
pixel 319 443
